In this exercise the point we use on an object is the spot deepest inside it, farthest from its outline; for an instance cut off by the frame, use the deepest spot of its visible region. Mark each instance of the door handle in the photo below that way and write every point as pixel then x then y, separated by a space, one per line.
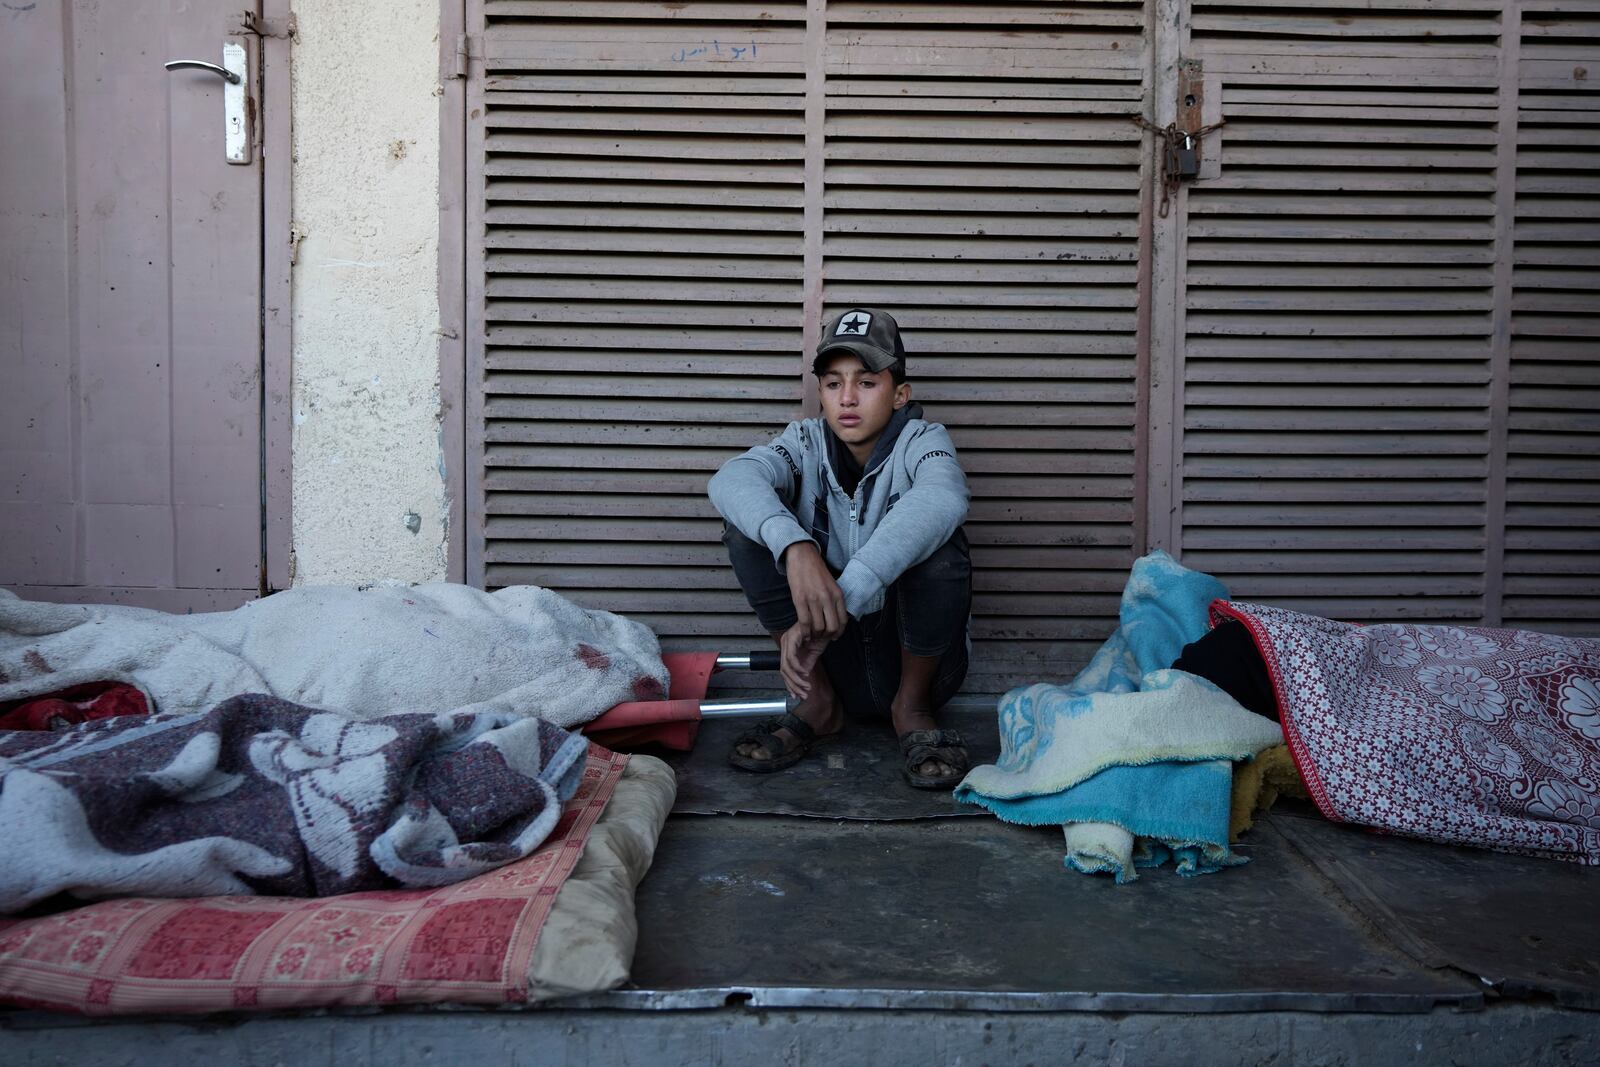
pixel 235 70
pixel 199 64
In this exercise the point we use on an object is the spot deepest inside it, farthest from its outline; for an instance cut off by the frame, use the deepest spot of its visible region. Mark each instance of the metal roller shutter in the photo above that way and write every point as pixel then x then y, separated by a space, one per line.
pixel 642 209
pixel 1354 372
pixel 982 179
pixel 671 195
pixel 1346 360
pixel 1552 550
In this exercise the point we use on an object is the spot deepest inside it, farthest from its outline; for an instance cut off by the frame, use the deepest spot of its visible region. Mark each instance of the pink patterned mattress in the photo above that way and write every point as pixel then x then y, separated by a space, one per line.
pixel 468 943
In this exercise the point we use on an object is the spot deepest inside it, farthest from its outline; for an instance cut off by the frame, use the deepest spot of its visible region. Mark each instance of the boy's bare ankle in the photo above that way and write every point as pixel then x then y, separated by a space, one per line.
pixel 912 712
pixel 821 708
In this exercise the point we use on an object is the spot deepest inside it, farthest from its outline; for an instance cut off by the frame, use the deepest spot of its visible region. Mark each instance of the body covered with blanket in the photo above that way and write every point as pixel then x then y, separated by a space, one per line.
pixel 318 741
pixel 1465 735
pixel 358 652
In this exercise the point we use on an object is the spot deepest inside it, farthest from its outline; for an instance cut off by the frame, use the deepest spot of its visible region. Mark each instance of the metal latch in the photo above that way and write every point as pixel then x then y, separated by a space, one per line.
pixel 284 28
pixel 235 73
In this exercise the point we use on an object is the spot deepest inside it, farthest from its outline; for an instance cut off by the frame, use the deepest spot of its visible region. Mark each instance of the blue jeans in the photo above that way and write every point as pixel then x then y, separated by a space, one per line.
pixel 924 612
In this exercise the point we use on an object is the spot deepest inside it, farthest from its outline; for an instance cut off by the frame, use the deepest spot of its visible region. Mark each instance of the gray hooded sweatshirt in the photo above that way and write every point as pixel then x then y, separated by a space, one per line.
pixel 911 499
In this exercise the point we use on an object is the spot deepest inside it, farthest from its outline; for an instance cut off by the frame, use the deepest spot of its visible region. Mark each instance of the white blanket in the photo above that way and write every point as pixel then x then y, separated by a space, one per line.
pixel 360 653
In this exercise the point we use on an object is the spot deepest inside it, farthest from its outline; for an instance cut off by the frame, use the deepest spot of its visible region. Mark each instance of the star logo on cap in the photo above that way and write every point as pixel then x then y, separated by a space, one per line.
pixel 855 323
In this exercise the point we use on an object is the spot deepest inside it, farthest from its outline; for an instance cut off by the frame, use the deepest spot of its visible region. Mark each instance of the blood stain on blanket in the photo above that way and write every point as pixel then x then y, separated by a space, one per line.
pixel 37 662
pixel 647 688
pixel 593 658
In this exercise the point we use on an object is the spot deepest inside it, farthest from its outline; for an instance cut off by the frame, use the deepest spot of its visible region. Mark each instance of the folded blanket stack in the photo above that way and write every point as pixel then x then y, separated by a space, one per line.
pixel 1131 758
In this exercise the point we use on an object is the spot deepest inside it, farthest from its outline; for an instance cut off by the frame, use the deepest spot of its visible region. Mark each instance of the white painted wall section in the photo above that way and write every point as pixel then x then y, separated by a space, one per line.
pixel 366 306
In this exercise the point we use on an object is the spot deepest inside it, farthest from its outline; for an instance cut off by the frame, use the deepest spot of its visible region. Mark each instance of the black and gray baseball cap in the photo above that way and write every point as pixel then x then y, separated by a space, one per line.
pixel 871 335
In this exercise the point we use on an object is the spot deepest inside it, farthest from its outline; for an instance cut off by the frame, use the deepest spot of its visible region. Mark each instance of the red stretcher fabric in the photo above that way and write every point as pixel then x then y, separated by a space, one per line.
pixel 672 723
pixel 75 704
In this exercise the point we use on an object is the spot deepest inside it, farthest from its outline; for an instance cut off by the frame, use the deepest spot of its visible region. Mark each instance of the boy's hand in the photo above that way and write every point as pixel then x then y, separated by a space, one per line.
pixel 818 603
pixel 798 659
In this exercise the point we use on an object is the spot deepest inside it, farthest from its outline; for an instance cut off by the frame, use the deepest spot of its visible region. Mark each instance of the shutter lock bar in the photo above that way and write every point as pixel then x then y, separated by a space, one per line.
pixel 1185 150
pixel 1178 144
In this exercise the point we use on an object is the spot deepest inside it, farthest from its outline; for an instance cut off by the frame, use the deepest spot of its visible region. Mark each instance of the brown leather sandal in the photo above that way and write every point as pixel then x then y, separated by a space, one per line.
pixel 947 746
pixel 781 753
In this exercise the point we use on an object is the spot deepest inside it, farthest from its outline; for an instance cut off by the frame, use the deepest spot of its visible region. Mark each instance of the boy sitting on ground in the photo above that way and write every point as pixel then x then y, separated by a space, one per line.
pixel 845 534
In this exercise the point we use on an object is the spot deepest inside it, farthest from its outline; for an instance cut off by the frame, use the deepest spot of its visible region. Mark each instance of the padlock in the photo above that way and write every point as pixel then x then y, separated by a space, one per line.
pixel 1186 158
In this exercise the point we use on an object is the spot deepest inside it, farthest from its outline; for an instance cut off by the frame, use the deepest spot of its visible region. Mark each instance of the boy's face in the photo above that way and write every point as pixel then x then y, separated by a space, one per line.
pixel 858 403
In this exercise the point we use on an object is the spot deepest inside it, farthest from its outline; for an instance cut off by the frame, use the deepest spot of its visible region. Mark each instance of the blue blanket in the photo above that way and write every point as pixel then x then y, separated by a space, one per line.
pixel 1132 759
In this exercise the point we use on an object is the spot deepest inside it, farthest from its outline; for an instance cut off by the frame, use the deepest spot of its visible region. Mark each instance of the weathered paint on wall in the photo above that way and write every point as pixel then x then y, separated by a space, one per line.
pixel 366 309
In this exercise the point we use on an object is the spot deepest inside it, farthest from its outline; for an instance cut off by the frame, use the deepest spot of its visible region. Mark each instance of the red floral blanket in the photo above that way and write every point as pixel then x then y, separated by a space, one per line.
pixel 1463 735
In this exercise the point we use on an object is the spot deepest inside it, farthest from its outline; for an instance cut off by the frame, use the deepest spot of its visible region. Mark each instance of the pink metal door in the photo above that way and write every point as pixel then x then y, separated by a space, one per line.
pixel 130 308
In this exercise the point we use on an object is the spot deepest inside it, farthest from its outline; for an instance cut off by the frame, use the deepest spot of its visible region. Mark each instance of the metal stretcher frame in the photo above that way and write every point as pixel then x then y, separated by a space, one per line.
pixel 673 723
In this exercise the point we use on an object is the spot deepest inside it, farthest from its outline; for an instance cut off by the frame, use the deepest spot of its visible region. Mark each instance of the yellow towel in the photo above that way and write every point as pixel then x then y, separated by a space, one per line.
pixel 1259 783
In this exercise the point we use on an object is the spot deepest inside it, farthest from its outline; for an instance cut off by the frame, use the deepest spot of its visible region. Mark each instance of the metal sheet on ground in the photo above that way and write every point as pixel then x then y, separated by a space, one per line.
pixel 975 913
pixel 855 777
pixel 1528 925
